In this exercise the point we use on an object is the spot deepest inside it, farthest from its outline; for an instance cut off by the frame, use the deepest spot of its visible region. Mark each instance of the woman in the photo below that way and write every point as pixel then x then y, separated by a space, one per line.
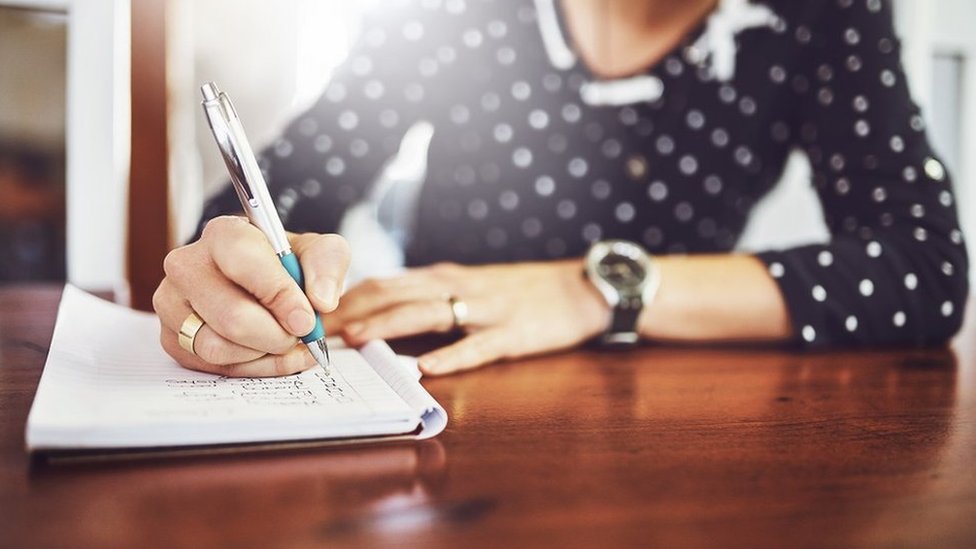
pixel 561 124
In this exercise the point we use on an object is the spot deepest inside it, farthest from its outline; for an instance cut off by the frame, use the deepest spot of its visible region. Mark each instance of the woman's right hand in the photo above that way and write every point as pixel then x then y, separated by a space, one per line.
pixel 253 311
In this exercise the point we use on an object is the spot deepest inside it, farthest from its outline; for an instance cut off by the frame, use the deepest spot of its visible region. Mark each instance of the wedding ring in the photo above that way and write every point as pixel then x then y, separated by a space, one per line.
pixel 188 332
pixel 459 312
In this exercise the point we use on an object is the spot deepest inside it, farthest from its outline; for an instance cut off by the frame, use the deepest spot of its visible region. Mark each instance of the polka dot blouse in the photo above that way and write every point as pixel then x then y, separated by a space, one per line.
pixel 533 157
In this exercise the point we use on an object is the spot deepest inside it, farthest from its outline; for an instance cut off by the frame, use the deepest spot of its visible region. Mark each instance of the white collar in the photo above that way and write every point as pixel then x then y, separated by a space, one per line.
pixel 717 44
pixel 559 53
pixel 595 93
pixel 715 47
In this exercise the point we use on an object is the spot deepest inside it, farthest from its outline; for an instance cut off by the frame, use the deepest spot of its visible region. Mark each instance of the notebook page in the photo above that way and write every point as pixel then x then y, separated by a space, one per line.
pixel 108 383
pixel 404 379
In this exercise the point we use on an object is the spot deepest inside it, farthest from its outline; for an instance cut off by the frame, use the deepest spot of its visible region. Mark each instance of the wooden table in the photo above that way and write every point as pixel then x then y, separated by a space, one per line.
pixel 659 447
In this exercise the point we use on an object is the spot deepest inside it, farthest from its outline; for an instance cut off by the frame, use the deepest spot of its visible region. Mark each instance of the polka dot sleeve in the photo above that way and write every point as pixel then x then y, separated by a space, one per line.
pixel 895 270
pixel 326 158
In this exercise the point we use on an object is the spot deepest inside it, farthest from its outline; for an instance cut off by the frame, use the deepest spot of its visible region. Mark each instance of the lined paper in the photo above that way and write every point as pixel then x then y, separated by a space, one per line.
pixel 108 383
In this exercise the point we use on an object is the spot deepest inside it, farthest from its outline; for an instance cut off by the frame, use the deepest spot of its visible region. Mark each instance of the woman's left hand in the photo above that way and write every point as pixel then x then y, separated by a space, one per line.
pixel 513 311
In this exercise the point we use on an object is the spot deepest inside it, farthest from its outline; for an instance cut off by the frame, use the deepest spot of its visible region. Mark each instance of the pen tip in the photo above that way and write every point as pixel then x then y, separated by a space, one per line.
pixel 320 350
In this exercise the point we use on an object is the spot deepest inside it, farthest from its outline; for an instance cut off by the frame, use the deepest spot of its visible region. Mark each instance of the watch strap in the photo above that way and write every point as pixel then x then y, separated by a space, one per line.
pixel 623 322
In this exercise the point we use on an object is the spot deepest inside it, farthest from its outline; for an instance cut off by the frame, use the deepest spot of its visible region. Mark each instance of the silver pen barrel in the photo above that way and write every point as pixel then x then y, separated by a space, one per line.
pixel 252 190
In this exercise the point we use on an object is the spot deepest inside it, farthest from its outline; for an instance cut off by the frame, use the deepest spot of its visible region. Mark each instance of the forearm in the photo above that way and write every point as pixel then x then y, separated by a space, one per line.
pixel 715 298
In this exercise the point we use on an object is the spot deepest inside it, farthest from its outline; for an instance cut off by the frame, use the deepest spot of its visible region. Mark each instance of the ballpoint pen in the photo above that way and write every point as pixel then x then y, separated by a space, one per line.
pixel 253 192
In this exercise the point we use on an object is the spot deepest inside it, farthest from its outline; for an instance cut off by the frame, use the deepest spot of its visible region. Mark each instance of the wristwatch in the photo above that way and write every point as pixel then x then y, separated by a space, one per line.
pixel 628 278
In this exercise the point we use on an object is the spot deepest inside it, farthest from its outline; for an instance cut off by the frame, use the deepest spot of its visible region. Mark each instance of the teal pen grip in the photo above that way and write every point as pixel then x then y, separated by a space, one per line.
pixel 291 265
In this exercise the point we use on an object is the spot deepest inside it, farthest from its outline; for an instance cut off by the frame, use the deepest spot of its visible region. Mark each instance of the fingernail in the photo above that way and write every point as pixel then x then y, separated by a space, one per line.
pixel 325 291
pixel 301 321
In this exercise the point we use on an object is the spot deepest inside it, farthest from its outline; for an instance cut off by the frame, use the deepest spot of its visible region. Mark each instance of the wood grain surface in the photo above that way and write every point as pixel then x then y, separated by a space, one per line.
pixel 664 446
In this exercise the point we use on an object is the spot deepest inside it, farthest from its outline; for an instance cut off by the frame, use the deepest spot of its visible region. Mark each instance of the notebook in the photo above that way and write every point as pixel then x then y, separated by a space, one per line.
pixel 108 385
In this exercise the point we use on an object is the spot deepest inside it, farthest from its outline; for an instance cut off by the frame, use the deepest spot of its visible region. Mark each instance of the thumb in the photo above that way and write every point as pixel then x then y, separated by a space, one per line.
pixel 325 260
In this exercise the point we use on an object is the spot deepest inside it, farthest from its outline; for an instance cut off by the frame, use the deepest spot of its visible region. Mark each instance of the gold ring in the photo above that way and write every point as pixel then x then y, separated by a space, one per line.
pixel 188 332
pixel 459 312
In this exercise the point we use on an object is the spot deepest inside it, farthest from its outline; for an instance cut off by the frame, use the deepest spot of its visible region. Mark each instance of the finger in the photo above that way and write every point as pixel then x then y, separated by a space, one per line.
pixel 325 260
pixel 417 317
pixel 242 253
pixel 332 323
pixel 376 294
pixel 475 350
pixel 227 308
pixel 212 347
pixel 296 360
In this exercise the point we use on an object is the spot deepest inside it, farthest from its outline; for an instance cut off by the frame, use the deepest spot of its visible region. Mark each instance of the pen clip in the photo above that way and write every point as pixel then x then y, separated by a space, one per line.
pixel 245 173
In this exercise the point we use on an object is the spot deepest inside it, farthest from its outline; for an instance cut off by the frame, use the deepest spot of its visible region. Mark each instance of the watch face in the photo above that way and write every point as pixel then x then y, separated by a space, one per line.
pixel 621 271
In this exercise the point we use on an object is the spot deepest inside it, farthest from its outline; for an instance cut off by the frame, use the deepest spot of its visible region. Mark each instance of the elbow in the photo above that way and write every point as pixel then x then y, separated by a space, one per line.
pixel 953 306
pixel 947 294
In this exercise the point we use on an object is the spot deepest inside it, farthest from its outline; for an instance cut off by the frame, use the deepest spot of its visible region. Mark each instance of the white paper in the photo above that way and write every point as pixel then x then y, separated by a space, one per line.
pixel 403 379
pixel 107 383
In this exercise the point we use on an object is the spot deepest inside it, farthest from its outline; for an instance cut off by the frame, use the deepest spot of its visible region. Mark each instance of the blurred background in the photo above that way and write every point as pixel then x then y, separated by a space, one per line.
pixel 32 148
pixel 274 58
